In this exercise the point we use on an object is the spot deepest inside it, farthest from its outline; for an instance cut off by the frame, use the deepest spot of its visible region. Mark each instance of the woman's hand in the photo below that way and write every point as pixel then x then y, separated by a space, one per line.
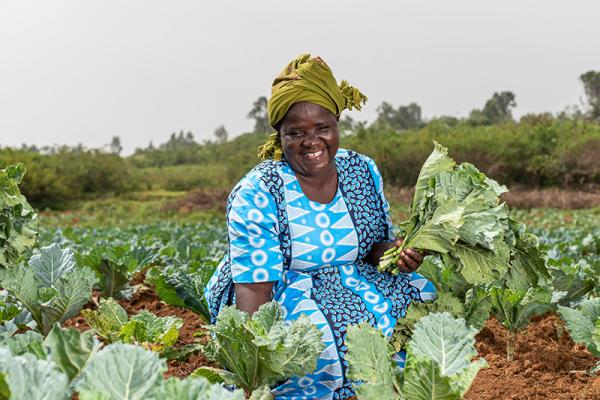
pixel 409 259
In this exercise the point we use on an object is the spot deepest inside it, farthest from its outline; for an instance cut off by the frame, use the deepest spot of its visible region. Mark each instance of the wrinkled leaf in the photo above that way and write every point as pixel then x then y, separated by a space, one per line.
pixel 122 371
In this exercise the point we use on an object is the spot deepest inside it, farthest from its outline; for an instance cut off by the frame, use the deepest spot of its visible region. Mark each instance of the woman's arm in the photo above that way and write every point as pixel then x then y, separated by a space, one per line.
pixel 409 259
pixel 250 296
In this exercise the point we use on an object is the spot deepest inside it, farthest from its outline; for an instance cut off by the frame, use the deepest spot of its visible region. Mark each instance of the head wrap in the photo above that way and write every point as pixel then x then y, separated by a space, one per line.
pixel 306 79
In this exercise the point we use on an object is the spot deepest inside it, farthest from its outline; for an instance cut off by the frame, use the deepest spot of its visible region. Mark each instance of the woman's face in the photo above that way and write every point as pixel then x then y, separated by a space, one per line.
pixel 309 138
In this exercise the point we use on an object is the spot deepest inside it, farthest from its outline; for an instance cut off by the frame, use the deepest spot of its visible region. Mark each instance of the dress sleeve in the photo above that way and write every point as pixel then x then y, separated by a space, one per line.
pixel 386 234
pixel 253 233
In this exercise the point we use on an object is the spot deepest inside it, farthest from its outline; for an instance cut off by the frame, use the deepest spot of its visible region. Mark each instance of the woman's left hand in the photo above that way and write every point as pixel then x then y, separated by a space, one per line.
pixel 409 259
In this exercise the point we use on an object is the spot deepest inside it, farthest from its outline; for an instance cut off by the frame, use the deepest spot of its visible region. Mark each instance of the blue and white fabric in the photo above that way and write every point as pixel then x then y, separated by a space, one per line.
pixel 315 255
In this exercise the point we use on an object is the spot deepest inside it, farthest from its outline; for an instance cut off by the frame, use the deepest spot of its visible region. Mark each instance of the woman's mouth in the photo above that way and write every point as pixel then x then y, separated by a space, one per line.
pixel 314 155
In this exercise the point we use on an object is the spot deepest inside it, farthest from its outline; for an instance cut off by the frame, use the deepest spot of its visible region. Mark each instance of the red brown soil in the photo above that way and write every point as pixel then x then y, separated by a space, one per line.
pixel 522 197
pixel 199 200
pixel 544 366
pixel 191 332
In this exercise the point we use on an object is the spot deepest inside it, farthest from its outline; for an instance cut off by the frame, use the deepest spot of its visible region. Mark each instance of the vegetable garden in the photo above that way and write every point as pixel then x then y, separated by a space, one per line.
pixel 118 312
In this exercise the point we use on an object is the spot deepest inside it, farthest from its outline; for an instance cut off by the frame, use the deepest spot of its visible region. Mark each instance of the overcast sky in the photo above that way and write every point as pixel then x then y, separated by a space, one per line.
pixel 83 71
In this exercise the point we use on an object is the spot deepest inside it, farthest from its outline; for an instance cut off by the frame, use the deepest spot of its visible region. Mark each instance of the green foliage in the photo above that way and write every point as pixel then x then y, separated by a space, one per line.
pixel 50 287
pixel 114 266
pixel 27 377
pixel 400 119
pixel 145 329
pixel 64 174
pixel 121 371
pixel 262 350
pixel 18 221
pixel 515 308
pixel 179 288
pixel 456 212
pixel 534 152
pixel 260 116
pixel 591 85
pixel 370 358
pixel 439 361
pixel 193 389
pixel 496 110
pixel 583 324
pixel 444 302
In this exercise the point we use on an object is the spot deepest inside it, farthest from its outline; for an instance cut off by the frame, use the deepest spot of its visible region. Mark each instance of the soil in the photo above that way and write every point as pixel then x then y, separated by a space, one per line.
pixel 199 200
pixel 545 367
pixel 146 299
pixel 524 197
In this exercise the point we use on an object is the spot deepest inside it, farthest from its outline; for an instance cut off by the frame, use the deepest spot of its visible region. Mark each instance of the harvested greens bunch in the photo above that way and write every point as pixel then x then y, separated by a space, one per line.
pixel 457 213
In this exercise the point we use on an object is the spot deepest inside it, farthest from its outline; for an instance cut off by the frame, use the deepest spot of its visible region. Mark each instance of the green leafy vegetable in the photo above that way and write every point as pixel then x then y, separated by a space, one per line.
pixel 370 357
pixel 71 350
pixel 583 324
pixel 51 294
pixel 121 371
pixel 18 221
pixel 27 377
pixel 445 302
pixel 456 212
pixel 439 361
pixel 114 266
pixel 185 289
pixel 264 349
pixel 108 320
pixel 111 323
pixel 515 308
pixel 193 389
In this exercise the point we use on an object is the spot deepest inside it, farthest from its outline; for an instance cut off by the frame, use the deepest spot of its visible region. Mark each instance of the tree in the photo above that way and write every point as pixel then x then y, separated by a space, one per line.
pixel 260 116
pixel 591 85
pixel 115 145
pixel 221 134
pixel 405 117
pixel 346 125
pixel 496 110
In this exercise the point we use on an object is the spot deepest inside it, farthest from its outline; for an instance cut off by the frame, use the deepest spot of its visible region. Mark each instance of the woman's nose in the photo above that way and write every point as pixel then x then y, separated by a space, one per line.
pixel 311 137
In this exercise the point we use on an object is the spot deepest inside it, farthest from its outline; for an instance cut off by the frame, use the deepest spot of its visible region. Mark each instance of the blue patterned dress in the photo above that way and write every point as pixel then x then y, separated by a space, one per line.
pixel 315 255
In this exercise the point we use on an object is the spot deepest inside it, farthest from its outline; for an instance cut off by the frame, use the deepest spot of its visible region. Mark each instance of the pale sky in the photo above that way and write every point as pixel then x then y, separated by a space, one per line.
pixel 83 71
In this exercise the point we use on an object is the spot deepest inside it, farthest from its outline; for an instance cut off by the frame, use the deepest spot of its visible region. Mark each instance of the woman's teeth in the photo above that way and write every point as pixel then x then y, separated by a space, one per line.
pixel 316 154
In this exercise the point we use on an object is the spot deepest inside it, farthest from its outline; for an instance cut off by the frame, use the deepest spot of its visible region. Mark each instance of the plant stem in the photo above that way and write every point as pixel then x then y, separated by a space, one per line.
pixel 510 346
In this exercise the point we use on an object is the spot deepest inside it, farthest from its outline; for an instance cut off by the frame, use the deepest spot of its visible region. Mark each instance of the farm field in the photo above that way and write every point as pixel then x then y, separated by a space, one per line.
pixel 546 366
pixel 159 258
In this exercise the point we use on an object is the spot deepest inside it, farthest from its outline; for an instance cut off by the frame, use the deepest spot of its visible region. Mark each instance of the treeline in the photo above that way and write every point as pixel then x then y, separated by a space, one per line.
pixel 56 176
pixel 538 151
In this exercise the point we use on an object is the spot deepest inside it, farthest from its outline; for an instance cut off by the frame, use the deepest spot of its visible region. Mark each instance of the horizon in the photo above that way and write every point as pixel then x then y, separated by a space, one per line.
pixel 141 70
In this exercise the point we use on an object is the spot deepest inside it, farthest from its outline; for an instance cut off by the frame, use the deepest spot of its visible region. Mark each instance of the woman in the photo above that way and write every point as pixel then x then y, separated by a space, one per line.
pixel 308 225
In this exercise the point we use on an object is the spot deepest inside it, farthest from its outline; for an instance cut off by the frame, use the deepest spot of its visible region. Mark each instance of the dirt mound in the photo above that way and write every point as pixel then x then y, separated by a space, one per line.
pixel 199 200
pixel 545 366
pixel 568 199
pixel 522 197
pixel 191 332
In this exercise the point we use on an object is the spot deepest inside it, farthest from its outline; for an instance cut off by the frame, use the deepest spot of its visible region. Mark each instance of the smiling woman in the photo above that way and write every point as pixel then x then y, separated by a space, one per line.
pixel 307 227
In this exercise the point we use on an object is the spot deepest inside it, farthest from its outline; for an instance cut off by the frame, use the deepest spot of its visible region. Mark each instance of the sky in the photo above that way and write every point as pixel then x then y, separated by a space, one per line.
pixel 83 71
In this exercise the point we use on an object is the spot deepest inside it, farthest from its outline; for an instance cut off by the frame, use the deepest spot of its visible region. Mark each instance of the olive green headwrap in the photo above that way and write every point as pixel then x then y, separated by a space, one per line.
pixel 306 79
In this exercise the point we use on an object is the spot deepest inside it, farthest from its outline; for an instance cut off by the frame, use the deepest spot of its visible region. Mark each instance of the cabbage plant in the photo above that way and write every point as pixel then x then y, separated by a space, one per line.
pixel 440 361
pixel 51 287
pixel 259 351
pixel 111 323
